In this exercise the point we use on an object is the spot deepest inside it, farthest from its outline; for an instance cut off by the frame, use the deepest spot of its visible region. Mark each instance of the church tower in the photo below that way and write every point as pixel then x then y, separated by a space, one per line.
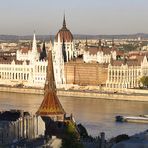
pixel 51 110
pixel 34 56
pixel 59 64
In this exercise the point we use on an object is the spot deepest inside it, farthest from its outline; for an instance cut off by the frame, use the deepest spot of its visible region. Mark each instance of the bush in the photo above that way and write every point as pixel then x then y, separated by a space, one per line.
pixel 122 137
pixel 144 81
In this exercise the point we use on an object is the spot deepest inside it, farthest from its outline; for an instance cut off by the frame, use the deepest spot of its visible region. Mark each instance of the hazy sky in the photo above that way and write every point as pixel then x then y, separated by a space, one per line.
pixel 22 17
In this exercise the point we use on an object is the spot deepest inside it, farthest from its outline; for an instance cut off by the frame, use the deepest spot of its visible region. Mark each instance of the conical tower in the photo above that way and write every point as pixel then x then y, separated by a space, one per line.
pixel 51 107
pixel 64 22
pixel 34 55
pixel 51 110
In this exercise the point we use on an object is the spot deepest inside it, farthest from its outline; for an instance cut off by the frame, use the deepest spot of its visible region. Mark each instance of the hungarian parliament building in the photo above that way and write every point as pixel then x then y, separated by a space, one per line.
pixel 100 65
pixel 28 68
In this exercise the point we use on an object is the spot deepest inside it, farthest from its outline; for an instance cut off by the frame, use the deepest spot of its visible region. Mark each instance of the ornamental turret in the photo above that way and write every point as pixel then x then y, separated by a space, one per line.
pixel 34 53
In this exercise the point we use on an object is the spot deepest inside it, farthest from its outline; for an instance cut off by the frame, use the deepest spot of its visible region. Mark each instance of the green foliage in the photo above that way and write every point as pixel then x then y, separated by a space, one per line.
pixel 82 131
pixel 122 137
pixel 130 47
pixel 144 43
pixel 71 140
pixel 119 138
pixel 144 81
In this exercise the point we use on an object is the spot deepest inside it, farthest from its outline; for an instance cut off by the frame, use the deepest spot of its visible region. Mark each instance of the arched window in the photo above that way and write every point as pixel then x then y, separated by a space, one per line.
pixel 24 76
pixel 41 69
pixel 13 76
pixel 27 76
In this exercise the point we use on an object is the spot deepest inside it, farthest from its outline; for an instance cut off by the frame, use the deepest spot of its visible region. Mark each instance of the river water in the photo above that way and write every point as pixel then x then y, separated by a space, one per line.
pixel 97 115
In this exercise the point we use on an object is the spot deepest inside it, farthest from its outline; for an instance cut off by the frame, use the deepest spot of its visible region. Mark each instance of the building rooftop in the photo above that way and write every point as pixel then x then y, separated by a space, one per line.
pixel 65 34
pixel 12 115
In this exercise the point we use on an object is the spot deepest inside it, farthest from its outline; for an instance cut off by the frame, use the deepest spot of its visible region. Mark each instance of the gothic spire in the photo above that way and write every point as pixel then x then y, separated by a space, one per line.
pixel 50 43
pixel 64 51
pixel 34 45
pixel 86 44
pixel 51 105
pixel 50 80
pixel 113 43
pixel 99 43
pixel 64 21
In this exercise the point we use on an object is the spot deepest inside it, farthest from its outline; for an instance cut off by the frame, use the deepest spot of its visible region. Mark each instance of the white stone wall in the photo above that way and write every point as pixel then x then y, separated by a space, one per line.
pixel 23 56
pixel 32 55
pixel 125 76
pixel 100 57
pixel 32 75
pixel 70 50
pixel 58 63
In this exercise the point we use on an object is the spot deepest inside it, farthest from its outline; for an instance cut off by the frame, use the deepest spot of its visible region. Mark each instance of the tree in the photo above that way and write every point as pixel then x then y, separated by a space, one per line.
pixel 144 81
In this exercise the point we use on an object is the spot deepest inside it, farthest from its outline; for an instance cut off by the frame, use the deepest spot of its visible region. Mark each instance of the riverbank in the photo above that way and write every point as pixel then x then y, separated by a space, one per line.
pixel 105 95
pixel 82 93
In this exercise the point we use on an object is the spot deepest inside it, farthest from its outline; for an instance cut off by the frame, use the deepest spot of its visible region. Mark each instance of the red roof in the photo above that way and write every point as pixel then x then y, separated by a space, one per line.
pixel 65 35
pixel 50 105
pixel 25 49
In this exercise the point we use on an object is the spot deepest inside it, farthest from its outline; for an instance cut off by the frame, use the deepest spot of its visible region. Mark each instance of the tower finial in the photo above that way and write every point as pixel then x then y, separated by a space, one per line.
pixel 86 44
pixel 34 45
pixel 113 43
pixel 99 43
pixel 64 21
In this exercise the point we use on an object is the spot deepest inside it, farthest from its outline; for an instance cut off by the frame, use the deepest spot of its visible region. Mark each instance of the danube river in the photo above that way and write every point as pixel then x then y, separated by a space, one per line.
pixel 96 115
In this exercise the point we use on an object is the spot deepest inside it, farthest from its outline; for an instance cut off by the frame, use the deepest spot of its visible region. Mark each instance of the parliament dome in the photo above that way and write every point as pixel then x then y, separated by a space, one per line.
pixel 65 34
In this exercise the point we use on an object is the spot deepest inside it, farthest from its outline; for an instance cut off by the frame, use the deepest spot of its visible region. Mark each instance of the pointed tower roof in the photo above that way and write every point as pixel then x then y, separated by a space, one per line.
pixel 51 105
pixel 86 44
pixel 113 43
pixel 144 61
pixel 34 45
pixel 50 44
pixel 64 21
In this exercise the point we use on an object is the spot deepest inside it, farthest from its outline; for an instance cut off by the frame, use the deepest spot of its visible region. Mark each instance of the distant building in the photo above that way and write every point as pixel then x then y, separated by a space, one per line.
pixel 85 74
pixel 25 70
pixel 27 67
pixel 126 73
pixel 7 55
pixel 66 40
pixel 30 54
pixel 63 52
pixel 16 125
pixel 100 54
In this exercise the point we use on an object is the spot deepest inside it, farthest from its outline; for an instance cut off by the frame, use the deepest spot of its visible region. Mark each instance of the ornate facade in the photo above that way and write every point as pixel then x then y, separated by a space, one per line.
pixel 24 73
pixel 99 54
pixel 25 70
pixel 58 62
pixel 29 66
pixel 66 40
pixel 127 73
pixel 63 52
pixel 31 55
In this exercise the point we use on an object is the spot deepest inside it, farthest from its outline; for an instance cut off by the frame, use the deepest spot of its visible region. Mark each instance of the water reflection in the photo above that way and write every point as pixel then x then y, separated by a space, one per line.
pixel 96 114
